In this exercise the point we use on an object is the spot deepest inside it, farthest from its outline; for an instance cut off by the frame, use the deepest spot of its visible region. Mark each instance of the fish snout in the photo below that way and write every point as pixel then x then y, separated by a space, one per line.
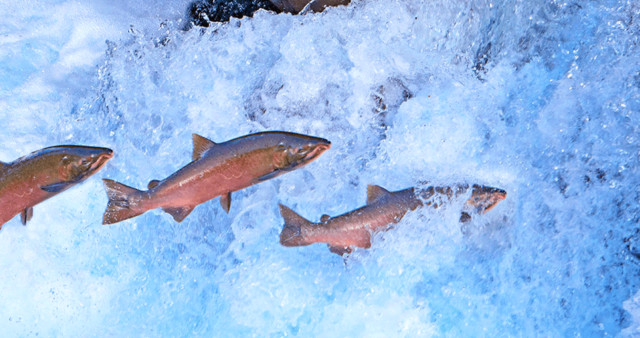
pixel 324 145
pixel 495 196
pixel 107 154
pixel 485 198
pixel 103 153
pixel 499 194
pixel 317 149
pixel 100 157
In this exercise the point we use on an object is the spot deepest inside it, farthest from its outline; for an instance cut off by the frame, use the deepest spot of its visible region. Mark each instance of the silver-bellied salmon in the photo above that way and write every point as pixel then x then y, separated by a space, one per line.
pixel 42 174
pixel 383 208
pixel 217 169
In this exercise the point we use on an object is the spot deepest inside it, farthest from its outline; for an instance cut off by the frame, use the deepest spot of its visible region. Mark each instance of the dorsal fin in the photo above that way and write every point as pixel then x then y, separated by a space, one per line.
pixel 200 146
pixel 153 184
pixel 375 192
pixel 324 218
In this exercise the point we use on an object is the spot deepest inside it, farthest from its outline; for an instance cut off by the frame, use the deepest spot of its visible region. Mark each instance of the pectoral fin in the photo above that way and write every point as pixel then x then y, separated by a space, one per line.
pixel 225 202
pixel 179 213
pixel 57 187
pixel 26 215
pixel 269 175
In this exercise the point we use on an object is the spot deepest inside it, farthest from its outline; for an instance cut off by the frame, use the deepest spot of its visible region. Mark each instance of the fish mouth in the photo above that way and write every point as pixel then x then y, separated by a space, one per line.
pixel 494 198
pixel 486 198
pixel 97 162
pixel 498 194
pixel 102 159
pixel 317 150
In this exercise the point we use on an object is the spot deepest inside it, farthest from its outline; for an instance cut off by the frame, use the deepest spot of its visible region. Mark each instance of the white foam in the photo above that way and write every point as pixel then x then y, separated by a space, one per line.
pixel 391 84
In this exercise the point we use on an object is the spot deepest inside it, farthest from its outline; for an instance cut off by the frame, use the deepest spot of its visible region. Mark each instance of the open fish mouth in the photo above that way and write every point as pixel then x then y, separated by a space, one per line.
pixel 485 198
pixel 97 161
pixel 317 150
pixel 494 198
pixel 102 159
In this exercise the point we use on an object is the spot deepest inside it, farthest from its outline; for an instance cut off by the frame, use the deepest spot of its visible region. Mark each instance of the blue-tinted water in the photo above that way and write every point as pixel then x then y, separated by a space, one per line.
pixel 539 98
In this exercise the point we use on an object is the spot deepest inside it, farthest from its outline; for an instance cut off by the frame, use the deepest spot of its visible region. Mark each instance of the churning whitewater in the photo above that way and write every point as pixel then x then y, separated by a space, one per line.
pixel 538 98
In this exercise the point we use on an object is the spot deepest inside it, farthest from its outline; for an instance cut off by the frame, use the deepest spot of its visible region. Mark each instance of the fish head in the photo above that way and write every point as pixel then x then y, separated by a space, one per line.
pixel 79 162
pixel 297 151
pixel 484 198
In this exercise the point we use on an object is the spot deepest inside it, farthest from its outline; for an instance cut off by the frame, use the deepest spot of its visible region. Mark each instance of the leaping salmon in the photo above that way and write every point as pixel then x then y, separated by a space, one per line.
pixel 43 174
pixel 217 169
pixel 383 208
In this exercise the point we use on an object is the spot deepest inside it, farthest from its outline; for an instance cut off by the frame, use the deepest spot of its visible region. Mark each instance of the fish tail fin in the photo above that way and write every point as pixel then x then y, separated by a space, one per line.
pixel 119 206
pixel 291 234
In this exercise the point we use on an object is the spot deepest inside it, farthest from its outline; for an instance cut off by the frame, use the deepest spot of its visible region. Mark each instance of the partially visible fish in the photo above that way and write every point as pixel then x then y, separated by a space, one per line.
pixel 45 173
pixel 217 169
pixel 383 208
pixel 296 6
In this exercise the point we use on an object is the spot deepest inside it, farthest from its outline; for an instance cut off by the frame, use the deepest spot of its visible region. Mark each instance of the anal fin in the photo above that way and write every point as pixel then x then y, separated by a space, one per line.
pixel 178 213
pixel 26 215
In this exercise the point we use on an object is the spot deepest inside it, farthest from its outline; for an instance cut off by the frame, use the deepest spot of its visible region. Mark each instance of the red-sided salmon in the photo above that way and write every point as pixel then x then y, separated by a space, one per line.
pixel 217 169
pixel 42 174
pixel 383 208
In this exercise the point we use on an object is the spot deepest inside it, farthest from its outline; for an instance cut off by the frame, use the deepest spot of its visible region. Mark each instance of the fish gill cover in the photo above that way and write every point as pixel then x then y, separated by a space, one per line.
pixel 538 98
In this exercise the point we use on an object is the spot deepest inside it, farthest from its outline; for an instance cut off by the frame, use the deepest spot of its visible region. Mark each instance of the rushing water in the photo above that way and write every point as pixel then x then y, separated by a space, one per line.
pixel 540 98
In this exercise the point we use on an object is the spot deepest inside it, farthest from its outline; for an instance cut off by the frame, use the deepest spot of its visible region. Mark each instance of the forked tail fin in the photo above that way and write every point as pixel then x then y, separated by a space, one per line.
pixel 291 234
pixel 119 207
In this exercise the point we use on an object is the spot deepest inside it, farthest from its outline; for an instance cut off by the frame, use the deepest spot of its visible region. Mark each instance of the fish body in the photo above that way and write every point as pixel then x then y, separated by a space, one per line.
pixel 216 170
pixel 43 174
pixel 383 208
pixel 296 6
pixel 354 228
